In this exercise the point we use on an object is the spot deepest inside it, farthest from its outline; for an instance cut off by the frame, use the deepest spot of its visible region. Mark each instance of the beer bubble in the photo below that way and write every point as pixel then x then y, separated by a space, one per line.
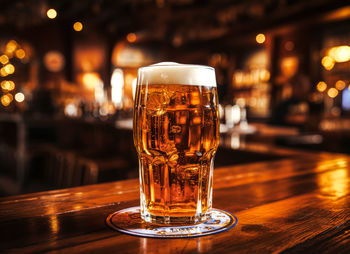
pixel 175 129
pixel 199 154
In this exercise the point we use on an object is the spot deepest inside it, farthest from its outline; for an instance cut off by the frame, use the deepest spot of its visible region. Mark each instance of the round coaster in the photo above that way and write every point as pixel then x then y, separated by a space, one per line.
pixel 129 221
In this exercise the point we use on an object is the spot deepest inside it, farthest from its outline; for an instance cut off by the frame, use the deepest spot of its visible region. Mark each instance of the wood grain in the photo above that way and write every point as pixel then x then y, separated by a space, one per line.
pixel 292 205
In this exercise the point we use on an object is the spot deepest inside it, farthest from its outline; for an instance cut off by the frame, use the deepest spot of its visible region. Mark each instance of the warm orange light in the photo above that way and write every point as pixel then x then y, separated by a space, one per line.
pixel 289 66
pixel 71 110
pixel 11 46
pixel 340 54
pixel 343 54
pixel 332 52
pixel 340 85
pixel 8 85
pixel 195 100
pixel 328 62
pixel 51 13
pixel 321 86
pixel 196 120
pixel 334 183
pixel 78 26
pixel 264 75
pixel 128 79
pixel 19 97
pixel 131 37
pixel 6 99
pixel 20 54
pixel 260 38
pixel 332 92
pixel 3 73
pixel 9 68
pixel 3 84
pixel 4 59
pixel 54 224
pixel 90 80
pixel 11 85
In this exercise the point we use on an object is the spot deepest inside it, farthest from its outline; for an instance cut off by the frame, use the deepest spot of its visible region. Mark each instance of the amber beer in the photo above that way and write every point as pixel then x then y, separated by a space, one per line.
pixel 176 134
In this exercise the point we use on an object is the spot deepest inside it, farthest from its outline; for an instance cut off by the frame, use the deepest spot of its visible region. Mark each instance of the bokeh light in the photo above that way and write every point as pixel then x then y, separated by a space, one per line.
pixel 340 85
pixel 20 53
pixel 51 13
pixel 260 38
pixel 340 54
pixel 6 99
pixel 71 110
pixel 4 59
pixel 78 26
pixel 19 97
pixel 332 92
pixel 264 75
pixel 321 86
pixel 328 62
pixel 131 37
pixel 9 68
pixel 11 46
pixel 289 66
pixel 8 85
pixel 91 80
pixel 3 72
pixel 117 83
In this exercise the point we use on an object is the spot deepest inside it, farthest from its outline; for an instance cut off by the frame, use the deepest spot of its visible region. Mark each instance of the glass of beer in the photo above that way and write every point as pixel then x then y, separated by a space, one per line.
pixel 176 135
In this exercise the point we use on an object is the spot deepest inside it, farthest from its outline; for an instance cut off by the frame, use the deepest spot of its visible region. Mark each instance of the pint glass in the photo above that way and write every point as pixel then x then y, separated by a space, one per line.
pixel 176 135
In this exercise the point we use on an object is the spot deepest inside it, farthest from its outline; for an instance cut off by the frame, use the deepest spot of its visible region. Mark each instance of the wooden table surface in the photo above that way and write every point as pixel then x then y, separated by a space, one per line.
pixel 292 205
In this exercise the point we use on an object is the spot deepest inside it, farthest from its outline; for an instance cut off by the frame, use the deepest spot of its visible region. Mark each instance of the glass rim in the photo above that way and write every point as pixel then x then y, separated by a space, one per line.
pixel 176 65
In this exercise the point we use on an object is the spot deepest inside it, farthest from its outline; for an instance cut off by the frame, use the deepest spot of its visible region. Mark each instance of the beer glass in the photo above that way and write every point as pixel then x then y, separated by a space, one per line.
pixel 176 135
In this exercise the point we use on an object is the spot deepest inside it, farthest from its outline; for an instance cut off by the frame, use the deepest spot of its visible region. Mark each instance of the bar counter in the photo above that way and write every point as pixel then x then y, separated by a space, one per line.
pixel 299 203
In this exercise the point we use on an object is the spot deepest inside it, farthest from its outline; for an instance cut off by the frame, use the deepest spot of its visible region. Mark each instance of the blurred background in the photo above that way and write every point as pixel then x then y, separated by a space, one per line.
pixel 68 72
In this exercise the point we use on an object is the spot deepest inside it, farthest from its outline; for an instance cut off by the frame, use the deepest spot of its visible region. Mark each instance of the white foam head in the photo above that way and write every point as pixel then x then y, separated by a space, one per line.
pixel 170 73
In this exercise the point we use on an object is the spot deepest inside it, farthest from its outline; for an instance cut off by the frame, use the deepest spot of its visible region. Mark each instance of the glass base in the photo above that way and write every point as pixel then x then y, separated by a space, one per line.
pixel 129 221
pixel 166 221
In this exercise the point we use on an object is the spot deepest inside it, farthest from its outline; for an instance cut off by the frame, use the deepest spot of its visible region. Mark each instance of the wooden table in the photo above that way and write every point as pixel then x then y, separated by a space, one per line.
pixel 292 205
